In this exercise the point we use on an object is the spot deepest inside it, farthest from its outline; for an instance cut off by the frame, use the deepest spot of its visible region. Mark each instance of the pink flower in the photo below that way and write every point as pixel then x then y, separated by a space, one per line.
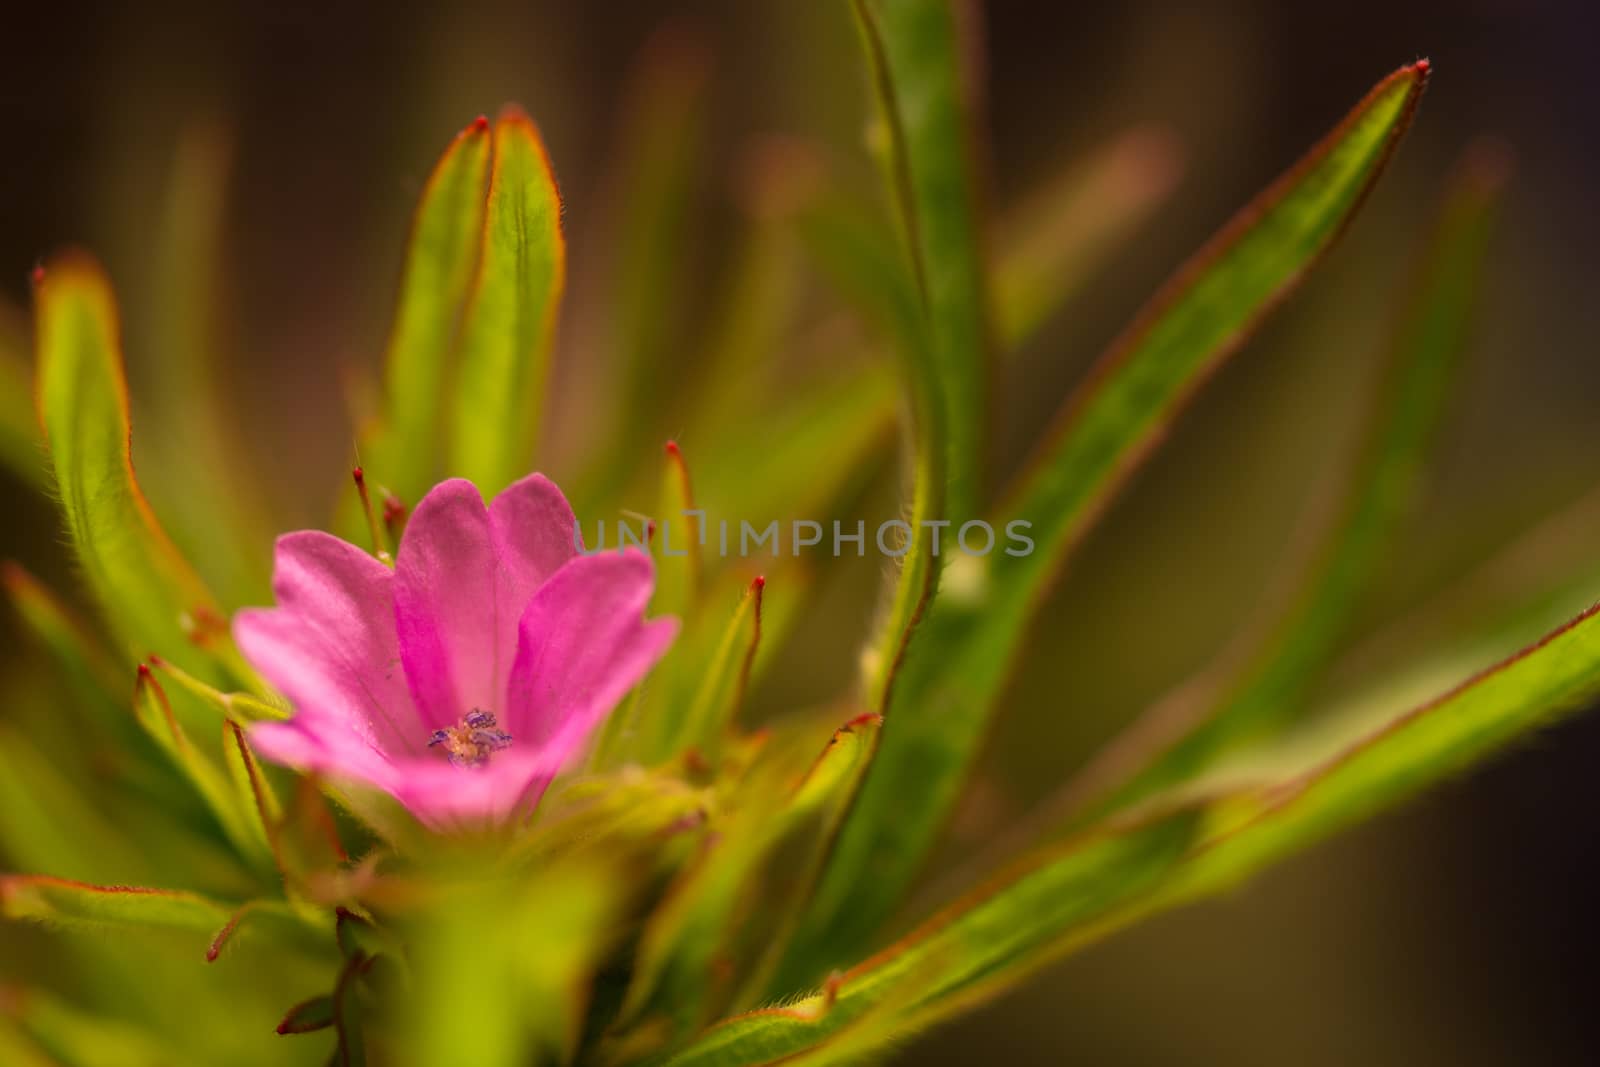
pixel 461 680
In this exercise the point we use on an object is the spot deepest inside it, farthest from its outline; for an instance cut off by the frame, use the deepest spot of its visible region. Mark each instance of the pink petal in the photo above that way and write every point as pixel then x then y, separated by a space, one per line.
pixel 330 644
pixel 583 644
pixel 328 747
pixel 447 797
pixel 447 603
pixel 463 578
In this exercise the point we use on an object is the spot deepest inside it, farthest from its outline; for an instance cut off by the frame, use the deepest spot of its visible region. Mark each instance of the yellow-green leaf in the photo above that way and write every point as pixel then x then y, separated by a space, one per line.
pixel 148 593
pixel 962 652
pixel 511 313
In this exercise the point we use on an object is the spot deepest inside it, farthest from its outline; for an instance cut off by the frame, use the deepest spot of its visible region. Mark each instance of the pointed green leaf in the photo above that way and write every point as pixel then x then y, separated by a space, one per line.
pixel 1285 799
pixel 57 900
pixel 511 313
pixel 724 678
pixel 963 651
pixel 1268 683
pixel 1009 925
pixel 149 594
pixel 914 50
pixel 233 806
pixel 308 1016
pixel 692 698
pixel 401 446
pixel 1307 787
pixel 862 267
pixel 714 940
pixel 679 554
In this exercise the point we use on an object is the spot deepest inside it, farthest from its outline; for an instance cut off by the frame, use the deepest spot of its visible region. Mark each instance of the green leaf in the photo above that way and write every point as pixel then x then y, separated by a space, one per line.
pixel 59 901
pixel 149 594
pixel 714 939
pixel 227 795
pixel 693 696
pixel 679 562
pixel 1229 827
pixel 401 446
pixel 962 652
pixel 1308 786
pixel 955 956
pixel 308 1016
pixel 511 313
pixel 1053 242
pixel 914 50
pixel 1266 683
pixel 724 679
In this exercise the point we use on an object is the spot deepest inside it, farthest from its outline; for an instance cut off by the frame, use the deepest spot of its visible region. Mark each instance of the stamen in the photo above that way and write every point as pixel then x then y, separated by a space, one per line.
pixel 473 740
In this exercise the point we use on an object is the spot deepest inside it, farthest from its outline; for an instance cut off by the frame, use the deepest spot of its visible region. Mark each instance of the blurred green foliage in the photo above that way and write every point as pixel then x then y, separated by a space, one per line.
pixel 708 889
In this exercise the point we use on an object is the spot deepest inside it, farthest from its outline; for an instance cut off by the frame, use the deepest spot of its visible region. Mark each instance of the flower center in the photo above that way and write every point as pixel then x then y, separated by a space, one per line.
pixel 470 742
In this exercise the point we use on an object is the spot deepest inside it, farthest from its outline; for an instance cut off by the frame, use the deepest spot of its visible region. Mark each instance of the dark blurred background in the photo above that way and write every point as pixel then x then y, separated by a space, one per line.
pixel 1461 930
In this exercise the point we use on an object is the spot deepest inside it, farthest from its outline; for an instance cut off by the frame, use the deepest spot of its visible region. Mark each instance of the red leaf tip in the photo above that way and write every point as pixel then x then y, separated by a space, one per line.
pixel 480 123
pixel 144 670
pixel 1422 66
pixel 759 582
pixel 358 474
pixel 672 449
pixel 38 274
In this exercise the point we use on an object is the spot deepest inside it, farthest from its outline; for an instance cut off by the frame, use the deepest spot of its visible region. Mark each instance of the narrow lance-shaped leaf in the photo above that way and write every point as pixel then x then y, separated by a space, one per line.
pixel 679 528
pixel 913 47
pixel 149 594
pixel 705 683
pixel 308 1016
pixel 58 900
pixel 234 808
pixel 713 941
pixel 962 653
pixel 870 275
pixel 511 313
pixel 401 447
pixel 1067 896
pixel 1264 683
pixel 954 953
